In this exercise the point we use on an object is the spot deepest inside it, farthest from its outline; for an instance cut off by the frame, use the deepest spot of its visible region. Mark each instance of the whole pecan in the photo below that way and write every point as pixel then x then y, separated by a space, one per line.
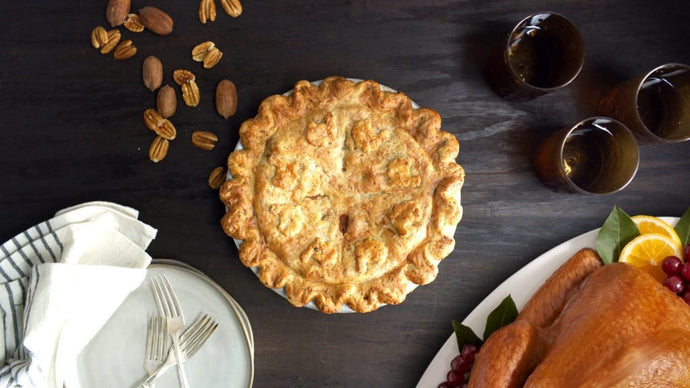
pixel 155 20
pixel 116 11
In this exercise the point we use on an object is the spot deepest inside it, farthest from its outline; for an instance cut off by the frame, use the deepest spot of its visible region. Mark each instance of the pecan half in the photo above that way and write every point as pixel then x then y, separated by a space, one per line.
pixel 157 123
pixel 208 53
pixel 200 51
pixel 182 76
pixel 125 50
pixel 190 90
pixel 158 149
pixel 212 58
pixel 190 93
pixel 204 139
pixel 133 23
pixel 217 177
pixel 112 41
pixel 207 11
pixel 232 7
pixel 99 37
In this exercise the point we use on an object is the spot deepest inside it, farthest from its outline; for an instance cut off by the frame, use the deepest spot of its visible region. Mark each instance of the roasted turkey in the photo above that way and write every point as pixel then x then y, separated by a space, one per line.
pixel 592 325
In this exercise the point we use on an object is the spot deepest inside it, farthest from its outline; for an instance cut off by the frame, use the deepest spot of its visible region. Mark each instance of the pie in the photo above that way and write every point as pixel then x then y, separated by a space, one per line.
pixel 343 194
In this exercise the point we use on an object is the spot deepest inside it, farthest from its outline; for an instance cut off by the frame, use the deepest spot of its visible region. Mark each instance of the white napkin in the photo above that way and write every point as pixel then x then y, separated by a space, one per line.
pixel 60 281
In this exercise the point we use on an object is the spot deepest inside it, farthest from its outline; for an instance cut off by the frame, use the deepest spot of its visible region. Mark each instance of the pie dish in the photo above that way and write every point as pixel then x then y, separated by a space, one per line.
pixel 343 194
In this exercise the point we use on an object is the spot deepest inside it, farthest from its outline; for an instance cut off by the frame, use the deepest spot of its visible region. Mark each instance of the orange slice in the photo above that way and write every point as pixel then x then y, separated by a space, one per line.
pixel 649 224
pixel 648 250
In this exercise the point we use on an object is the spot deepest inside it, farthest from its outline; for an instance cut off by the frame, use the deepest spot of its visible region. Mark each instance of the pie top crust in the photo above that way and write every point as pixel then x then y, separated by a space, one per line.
pixel 343 194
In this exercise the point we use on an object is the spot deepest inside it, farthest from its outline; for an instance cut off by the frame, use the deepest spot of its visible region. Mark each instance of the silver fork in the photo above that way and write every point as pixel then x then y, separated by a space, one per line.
pixel 156 345
pixel 169 307
pixel 191 341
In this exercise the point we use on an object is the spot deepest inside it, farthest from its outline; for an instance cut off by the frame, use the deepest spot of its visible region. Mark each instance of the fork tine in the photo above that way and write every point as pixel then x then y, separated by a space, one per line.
pixel 196 334
pixel 157 295
pixel 170 292
pixel 163 296
pixel 155 338
pixel 150 339
pixel 202 338
pixel 208 323
pixel 162 339
pixel 201 324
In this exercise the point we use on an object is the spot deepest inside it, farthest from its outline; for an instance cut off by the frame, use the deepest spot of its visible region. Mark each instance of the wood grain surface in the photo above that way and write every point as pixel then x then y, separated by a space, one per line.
pixel 71 130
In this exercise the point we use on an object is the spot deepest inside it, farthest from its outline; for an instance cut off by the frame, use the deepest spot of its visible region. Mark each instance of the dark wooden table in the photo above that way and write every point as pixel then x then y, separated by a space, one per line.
pixel 71 131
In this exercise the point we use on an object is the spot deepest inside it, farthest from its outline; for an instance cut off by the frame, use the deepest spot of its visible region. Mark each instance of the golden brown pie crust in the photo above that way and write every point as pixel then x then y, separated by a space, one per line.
pixel 343 194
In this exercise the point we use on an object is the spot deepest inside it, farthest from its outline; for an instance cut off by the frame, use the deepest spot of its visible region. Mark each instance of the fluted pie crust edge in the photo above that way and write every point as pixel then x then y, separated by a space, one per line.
pixel 343 194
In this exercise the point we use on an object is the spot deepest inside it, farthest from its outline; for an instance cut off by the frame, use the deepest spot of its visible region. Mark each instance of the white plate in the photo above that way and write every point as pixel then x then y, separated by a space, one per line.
pixel 520 286
pixel 280 291
pixel 115 356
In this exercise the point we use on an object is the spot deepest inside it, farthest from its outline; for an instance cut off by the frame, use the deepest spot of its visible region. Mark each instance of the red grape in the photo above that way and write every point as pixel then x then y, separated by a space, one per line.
pixel 685 272
pixel 469 351
pixel 686 252
pixel 454 378
pixel 460 365
pixel 672 265
pixel 674 283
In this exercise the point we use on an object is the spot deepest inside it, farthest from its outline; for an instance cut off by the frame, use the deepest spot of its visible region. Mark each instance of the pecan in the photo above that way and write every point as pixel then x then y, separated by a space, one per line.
pixel 207 11
pixel 155 20
pixel 208 53
pixel 125 50
pixel 158 149
pixel 200 51
pixel 204 139
pixel 232 7
pixel 157 123
pixel 99 37
pixel 166 101
pixel 217 177
pixel 226 98
pixel 190 90
pixel 112 41
pixel 212 58
pixel 152 119
pixel 182 76
pixel 152 72
pixel 190 93
pixel 116 11
pixel 133 23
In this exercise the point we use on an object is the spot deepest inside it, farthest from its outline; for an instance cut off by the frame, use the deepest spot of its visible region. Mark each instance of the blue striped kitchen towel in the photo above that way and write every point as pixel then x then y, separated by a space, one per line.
pixel 60 281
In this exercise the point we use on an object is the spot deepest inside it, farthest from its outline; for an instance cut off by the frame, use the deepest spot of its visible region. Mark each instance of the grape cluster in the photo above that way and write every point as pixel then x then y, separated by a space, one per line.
pixel 459 374
pixel 678 279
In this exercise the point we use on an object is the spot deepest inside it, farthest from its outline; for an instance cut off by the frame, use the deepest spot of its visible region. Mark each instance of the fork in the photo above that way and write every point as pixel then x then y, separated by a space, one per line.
pixel 169 307
pixel 191 341
pixel 156 345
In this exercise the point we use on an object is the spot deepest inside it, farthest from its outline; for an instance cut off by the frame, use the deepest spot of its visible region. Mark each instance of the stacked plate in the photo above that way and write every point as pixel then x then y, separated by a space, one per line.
pixel 115 356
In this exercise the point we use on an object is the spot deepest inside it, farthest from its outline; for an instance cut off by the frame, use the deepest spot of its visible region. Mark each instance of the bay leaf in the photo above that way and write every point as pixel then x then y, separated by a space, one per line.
pixel 618 230
pixel 505 313
pixel 465 334
pixel 683 228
